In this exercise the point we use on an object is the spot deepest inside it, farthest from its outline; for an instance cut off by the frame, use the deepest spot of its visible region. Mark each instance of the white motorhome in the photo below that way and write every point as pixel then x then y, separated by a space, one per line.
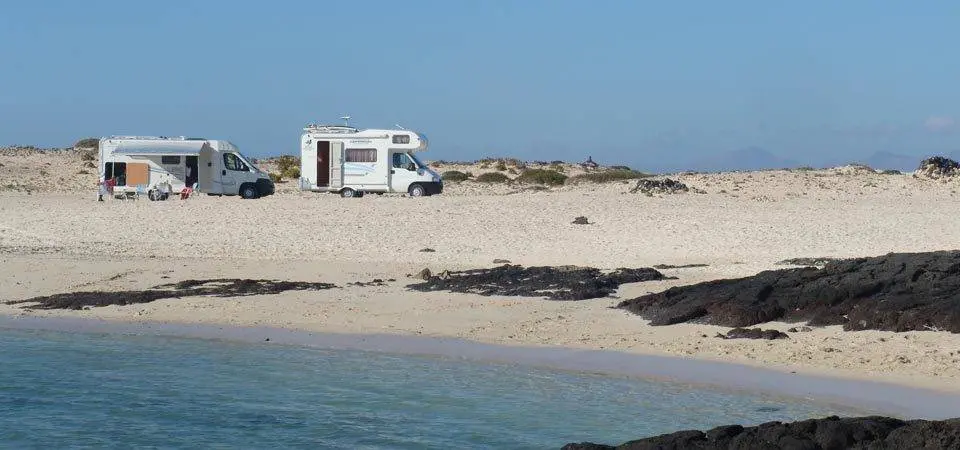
pixel 352 161
pixel 214 167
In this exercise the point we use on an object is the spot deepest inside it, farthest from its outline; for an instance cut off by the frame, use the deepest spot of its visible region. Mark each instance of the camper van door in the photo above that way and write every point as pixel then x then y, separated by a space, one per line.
pixel 336 165
pixel 403 171
pixel 231 172
pixel 208 171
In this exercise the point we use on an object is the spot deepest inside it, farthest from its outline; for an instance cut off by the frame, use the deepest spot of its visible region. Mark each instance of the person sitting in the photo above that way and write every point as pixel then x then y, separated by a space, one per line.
pixel 110 183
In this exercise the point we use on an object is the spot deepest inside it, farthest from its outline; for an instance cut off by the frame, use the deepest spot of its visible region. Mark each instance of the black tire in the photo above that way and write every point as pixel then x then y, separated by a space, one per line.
pixel 417 190
pixel 348 193
pixel 153 195
pixel 248 191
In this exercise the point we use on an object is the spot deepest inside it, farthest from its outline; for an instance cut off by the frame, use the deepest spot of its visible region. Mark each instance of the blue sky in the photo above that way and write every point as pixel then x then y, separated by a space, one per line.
pixel 637 82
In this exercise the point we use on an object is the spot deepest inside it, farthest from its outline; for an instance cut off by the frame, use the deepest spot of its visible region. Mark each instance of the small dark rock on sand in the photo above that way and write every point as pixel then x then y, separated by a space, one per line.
pixel 753 333
pixel 501 261
pixel 581 221
pixel 872 432
pixel 555 283
pixel 800 330
pixel 424 274
pixel 427 250
pixel 222 287
pixel 895 292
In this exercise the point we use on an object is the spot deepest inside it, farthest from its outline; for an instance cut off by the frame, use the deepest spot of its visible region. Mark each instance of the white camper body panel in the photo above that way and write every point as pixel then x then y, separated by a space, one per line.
pixel 340 158
pixel 209 166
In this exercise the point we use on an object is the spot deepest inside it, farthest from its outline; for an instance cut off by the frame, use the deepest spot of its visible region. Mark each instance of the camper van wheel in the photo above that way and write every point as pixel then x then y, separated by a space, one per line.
pixel 348 193
pixel 416 190
pixel 248 191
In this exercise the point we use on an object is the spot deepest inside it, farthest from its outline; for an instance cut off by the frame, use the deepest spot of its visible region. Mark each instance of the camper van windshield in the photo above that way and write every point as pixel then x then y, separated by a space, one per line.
pixel 249 162
pixel 413 156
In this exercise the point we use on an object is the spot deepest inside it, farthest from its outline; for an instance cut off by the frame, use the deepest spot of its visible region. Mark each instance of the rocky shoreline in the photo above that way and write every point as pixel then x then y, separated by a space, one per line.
pixel 873 432
pixel 894 292
pixel 221 287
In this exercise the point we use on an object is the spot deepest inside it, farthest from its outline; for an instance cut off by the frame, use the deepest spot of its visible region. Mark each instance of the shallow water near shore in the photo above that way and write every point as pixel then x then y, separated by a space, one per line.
pixel 60 389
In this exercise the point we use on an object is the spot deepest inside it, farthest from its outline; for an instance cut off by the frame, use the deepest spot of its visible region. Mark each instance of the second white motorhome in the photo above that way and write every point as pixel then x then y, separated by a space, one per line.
pixel 213 167
pixel 352 161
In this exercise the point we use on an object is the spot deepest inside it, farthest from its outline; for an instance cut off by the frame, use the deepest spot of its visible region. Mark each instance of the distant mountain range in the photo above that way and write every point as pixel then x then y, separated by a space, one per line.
pixel 747 159
pixel 887 160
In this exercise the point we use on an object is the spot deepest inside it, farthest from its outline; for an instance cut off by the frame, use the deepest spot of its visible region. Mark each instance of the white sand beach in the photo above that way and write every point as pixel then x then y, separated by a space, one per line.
pixel 60 240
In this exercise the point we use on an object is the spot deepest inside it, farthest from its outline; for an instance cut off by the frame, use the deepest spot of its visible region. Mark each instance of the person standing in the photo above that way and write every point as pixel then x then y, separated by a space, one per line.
pixel 101 189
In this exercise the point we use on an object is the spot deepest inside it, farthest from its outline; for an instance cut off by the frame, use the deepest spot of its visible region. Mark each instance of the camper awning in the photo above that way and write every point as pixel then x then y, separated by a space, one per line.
pixel 160 148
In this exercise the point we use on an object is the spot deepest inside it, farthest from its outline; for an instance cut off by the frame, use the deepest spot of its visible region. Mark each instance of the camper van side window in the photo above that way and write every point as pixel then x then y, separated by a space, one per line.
pixel 170 160
pixel 401 139
pixel 366 155
pixel 232 162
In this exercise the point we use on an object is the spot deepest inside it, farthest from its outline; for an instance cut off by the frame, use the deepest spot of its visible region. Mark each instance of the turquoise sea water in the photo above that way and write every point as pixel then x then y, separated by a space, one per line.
pixel 82 390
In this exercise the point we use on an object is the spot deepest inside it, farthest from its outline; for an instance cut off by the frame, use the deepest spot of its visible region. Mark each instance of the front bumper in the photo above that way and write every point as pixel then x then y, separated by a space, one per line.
pixel 265 186
pixel 433 188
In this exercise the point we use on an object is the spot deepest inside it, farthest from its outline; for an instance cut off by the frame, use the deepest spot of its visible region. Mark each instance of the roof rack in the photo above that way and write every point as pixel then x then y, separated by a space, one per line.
pixel 157 138
pixel 332 129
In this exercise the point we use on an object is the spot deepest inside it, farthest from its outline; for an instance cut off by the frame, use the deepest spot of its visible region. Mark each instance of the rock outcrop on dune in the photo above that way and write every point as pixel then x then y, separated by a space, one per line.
pixel 555 283
pixel 664 186
pixel 894 292
pixel 873 432
pixel 937 167
pixel 227 287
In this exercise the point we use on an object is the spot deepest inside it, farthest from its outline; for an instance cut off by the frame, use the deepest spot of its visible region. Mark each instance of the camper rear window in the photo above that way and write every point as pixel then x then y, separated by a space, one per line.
pixel 361 155
pixel 401 139
pixel 169 160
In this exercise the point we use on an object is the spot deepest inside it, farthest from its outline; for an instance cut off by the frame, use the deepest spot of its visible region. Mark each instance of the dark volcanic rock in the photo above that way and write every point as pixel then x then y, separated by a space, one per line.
pixel 224 287
pixel 556 283
pixel 665 186
pixel 682 266
pixel 937 167
pixel 894 292
pixel 580 220
pixel 374 282
pixel 875 433
pixel 753 333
